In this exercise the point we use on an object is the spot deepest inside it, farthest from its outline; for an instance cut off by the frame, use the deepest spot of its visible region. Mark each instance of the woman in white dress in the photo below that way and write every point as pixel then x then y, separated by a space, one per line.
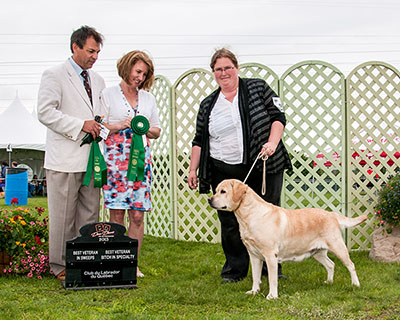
pixel 120 104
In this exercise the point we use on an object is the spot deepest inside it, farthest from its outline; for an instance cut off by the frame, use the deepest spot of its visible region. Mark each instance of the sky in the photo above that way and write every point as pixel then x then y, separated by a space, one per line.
pixel 181 35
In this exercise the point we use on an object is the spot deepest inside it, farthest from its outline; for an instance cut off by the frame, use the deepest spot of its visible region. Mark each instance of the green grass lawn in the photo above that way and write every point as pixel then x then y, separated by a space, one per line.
pixel 32 203
pixel 182 282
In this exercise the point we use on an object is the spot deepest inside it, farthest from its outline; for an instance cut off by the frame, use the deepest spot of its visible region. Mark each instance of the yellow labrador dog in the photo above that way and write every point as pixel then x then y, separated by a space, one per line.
pixel 273 234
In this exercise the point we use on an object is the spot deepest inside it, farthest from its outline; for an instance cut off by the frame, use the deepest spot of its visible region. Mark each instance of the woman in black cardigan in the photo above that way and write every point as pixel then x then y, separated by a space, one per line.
pixel 242 118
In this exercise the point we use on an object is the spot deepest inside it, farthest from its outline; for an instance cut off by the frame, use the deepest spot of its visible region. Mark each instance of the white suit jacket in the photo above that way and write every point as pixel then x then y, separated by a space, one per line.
pixel 63 106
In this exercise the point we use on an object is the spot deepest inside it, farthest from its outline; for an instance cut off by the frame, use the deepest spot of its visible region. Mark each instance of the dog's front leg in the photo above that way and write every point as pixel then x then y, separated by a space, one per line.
pixel 272 265
pixel 256 269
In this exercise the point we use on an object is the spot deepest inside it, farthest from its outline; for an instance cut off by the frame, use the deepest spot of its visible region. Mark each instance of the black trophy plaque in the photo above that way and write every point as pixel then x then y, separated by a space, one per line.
pixel 103 257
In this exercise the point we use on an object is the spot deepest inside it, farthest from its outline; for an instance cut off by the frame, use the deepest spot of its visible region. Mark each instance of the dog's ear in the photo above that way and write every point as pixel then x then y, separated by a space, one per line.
pixel 238 190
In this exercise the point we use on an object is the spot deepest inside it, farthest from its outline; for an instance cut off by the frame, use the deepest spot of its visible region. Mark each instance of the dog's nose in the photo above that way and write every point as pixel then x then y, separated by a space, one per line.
pixel 209 201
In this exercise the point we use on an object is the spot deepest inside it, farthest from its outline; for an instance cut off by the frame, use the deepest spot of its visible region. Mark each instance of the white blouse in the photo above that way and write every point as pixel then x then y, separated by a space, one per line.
pixel 115 108
pixel 225 128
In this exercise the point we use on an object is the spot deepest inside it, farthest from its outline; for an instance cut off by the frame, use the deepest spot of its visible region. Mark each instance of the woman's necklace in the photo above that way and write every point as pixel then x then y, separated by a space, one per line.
pixel 133 104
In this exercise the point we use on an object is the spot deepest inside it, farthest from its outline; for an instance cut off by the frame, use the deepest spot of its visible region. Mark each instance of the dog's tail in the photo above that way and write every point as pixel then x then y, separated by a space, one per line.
pixel 346 222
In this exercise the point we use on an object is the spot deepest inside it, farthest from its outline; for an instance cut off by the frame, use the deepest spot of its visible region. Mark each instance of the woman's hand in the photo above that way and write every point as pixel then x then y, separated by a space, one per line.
pixel 194 165
pixel 268 149
pixel 153 133
pixel 192 179
pixel 124 124
pixel 115 127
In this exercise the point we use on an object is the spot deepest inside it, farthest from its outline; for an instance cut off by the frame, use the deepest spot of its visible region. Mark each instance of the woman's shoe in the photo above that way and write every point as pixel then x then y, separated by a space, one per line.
pixel 139 274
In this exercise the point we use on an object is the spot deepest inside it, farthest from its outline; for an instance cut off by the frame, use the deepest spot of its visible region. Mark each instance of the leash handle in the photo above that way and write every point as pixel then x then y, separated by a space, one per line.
pixel 264 184
pixel 264 158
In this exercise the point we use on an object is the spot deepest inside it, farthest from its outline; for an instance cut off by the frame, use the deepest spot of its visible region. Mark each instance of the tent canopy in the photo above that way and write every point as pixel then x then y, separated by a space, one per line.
pixel 20 129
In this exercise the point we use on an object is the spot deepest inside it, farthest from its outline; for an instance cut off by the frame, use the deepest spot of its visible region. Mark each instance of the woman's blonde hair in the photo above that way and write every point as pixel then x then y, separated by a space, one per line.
pixel 223 53
pixel 125 64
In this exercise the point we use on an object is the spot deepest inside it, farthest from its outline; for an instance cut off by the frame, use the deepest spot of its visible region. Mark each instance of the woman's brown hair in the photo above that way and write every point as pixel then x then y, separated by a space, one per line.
pixel 125 64
pixel 223 53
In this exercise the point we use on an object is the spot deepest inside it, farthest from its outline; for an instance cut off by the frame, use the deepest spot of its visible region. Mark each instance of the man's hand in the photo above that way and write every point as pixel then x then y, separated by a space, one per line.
pixel 92 127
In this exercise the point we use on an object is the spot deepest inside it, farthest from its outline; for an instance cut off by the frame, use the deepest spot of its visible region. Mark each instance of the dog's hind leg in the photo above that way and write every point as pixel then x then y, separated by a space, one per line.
pixel 256 269
pixel 322 257
pixel 340 250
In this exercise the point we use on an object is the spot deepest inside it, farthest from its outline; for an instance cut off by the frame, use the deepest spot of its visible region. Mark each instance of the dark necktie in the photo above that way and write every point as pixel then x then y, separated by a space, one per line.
pixel 87 85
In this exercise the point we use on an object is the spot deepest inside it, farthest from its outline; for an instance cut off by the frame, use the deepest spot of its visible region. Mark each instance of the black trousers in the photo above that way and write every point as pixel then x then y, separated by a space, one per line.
pixel 237 259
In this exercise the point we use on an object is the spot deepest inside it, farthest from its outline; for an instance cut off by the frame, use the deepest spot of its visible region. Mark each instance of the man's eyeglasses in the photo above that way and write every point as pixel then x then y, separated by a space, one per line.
pixel 226 69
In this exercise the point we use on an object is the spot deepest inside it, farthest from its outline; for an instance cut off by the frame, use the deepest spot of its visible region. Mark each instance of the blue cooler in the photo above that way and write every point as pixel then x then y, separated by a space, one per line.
pixel 16 186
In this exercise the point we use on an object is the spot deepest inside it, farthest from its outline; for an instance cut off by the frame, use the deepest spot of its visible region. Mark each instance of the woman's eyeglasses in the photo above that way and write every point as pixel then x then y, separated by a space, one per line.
pixel 225 69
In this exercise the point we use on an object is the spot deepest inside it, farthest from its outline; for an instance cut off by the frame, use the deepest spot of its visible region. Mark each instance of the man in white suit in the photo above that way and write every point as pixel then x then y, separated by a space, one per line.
pixel 68 109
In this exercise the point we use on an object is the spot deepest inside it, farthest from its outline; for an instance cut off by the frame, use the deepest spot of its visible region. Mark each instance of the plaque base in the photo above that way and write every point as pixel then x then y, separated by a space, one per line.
pixel 125 286
pixel 103 257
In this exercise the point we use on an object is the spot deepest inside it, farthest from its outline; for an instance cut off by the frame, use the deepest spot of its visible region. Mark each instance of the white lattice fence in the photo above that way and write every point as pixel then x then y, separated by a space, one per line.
pixel 313 96
pixel 256 70
pixel 373 108
pixel 160 221
pixel 195 220
pixel 316 135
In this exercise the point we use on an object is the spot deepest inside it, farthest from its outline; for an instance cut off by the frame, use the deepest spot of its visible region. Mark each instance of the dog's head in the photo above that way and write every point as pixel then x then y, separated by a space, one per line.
pixel 228 195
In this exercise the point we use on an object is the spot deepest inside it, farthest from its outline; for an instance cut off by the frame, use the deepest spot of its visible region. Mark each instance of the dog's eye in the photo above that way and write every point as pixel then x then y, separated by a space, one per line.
pixel 222 191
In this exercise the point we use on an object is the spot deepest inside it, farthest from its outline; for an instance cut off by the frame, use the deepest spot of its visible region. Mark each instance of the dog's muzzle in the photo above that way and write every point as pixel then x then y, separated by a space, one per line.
pixel 211 203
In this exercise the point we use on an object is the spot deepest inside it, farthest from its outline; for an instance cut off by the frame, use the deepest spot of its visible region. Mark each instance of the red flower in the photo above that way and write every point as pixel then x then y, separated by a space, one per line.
pixel 14 201
pixel 39 210
pixel 38 241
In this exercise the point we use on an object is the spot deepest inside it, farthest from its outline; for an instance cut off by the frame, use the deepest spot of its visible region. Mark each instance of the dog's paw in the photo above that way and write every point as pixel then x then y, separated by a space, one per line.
pixel 356 284
pixel 253 292
pixel 271 296
pixel 328 281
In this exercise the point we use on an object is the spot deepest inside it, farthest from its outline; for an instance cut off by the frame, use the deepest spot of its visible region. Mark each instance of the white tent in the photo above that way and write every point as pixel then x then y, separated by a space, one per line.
pixel 20 129
pixel 26 136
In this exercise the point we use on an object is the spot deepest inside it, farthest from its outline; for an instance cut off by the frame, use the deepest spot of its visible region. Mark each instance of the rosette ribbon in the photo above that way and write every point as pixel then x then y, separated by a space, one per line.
pixel 140 125
pixel 97 166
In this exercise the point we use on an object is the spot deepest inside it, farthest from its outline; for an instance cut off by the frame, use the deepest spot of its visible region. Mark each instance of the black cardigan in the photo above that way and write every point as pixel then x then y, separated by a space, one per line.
pixel 257 112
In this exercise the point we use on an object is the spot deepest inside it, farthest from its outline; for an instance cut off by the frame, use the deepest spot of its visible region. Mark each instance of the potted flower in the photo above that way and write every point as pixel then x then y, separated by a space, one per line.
pixel 24 241
pixel 386 238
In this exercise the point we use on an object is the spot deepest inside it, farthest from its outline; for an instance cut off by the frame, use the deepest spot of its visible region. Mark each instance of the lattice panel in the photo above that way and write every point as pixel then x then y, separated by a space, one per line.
pixel 313 96
pixel 159 222
pixel 195 219
pixel 316 135
pixel 373 95
pixel 255 70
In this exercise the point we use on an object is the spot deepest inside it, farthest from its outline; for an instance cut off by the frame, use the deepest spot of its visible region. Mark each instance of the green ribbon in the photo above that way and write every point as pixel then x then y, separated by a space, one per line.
pixel 140 125
pixel 97 166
